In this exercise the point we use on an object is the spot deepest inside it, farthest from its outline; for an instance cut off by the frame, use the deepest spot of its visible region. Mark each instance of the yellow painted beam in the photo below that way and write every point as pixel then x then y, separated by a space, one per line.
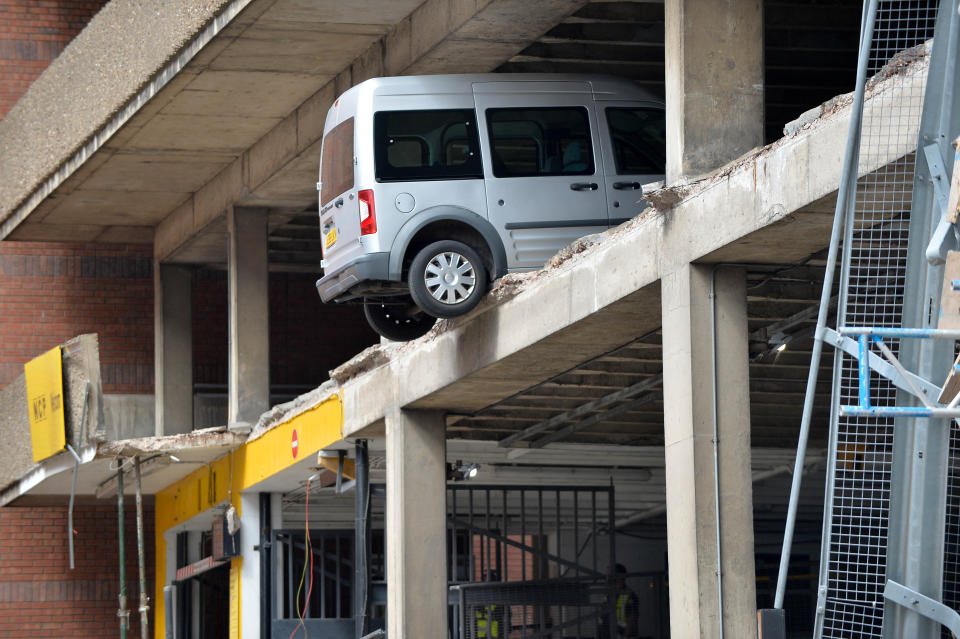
pixel 332 463
pixel 249 464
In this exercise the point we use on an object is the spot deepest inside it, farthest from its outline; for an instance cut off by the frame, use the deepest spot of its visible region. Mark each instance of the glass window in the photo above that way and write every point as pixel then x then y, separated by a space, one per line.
pixel 336 161
pixel 639 140
pixel 549 141
pixel 426 145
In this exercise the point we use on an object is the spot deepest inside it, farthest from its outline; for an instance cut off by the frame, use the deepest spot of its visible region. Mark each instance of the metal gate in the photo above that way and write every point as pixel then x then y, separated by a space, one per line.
pixel 529 562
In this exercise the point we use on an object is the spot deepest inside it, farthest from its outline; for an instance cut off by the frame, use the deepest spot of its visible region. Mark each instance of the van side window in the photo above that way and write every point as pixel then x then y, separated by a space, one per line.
pixel 639 140
pixel 336 161
pixel 536 142
pixel 426 145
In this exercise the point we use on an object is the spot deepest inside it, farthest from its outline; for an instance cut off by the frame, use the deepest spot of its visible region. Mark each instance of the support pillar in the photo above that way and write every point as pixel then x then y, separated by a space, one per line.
pixel 173 348
pixel 694 519
pixel 714 83
pixel 416 524
pixel 248 312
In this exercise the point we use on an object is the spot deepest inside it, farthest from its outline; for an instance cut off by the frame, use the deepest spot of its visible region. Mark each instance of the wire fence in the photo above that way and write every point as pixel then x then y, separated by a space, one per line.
pixel 872 294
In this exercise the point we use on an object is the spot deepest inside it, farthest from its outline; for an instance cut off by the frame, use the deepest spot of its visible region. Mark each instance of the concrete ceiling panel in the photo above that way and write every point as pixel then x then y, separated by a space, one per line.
pixel 294 186
pixel 202 133
pixel 36 232
pixel 294 51
pixel 123 208
pixel 463 56
pixel 127 235
pixel 178 173
pixel 245 94
pixel 354 12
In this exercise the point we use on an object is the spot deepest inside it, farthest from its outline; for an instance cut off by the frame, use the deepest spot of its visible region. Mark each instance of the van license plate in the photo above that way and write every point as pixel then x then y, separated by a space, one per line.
pixel 330 238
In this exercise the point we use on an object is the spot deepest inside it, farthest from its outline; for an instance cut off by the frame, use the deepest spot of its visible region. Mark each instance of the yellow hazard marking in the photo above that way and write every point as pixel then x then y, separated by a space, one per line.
pixel 330 238
pixel 44 376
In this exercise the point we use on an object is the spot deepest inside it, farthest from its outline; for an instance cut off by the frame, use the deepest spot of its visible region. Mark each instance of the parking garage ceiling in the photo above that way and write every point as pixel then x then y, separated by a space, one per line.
pixel 262 73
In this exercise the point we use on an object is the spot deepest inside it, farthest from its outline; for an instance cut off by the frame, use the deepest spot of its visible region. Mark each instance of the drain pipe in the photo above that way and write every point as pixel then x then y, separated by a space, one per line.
pixel 716 437
pixel 362 540
pixel 123 613
pixel 76 470
pixel 144 600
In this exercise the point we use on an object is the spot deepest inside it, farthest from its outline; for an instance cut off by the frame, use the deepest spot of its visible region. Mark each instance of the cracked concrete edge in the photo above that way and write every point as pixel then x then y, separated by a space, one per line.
pixel 282 413
pixel 383 364
pixel 123 57
pixel 219 437
pixel 902 67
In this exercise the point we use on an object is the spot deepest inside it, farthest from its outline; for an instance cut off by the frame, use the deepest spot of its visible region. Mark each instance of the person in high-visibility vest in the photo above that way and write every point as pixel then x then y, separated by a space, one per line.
pixel 488 627
pixel 627 607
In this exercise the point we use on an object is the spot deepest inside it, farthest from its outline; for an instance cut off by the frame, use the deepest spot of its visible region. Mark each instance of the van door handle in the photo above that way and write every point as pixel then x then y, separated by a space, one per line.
pixel 583 186
pixel 623 186
pixel 338 203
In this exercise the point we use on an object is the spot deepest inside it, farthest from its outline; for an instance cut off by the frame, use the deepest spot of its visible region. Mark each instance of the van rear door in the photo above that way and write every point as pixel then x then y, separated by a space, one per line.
pixel 542 167
pixel 339 214
pixel 634 154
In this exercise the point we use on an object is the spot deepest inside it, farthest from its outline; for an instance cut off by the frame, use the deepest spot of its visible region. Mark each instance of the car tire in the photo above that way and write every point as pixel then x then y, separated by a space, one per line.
pixel 447 279
pixel 397 319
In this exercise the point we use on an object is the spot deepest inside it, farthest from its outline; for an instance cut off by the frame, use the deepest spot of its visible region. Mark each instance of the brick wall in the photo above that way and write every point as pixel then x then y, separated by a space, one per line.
pixel 307 337
pixel 41 597
pixel 32 34
pixel 52 292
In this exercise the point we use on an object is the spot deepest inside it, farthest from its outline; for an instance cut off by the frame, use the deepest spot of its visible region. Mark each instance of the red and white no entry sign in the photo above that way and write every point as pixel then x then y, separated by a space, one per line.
pixel 295 443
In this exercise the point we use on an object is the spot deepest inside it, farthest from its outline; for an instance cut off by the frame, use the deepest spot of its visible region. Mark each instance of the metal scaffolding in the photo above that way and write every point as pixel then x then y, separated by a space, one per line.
pixel 882 562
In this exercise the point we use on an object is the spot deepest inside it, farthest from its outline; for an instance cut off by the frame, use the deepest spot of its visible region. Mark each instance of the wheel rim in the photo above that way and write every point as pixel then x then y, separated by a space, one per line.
pixel 449 277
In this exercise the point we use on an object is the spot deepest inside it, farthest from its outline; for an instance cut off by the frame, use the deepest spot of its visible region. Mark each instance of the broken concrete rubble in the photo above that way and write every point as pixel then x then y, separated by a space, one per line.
pixel 218 437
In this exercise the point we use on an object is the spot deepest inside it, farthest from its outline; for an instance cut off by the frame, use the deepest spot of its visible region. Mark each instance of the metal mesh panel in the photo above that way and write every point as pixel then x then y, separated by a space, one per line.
pixel 875 252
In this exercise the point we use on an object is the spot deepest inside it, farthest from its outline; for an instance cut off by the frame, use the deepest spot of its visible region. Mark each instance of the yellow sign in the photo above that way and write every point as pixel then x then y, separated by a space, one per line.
pixel 330 238
pixel 45 404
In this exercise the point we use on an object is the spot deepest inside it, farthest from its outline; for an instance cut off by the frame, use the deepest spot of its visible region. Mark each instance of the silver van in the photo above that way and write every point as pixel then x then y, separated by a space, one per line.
pixel 433 186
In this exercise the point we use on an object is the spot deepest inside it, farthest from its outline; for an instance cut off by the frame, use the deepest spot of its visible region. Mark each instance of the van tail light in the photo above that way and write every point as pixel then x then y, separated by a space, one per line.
pixel 368 213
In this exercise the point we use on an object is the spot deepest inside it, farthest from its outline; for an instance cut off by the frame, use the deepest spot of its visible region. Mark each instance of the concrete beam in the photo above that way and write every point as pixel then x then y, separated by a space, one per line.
pixel 416 523
pixel 714 83
pixel 173 348
pixel 248 312
pixel 707 453
pixel 604 297
pixel 149 46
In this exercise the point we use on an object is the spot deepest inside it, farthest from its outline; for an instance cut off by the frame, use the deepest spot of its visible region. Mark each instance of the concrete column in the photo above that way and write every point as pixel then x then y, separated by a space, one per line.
pixel 173 348
pixel 692 510
pixel 416 525
pixel 714 83
pixel 248 311
pixel 250 569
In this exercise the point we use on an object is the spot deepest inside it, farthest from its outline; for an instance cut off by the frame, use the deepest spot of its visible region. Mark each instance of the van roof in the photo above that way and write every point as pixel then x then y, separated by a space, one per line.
pixel 614 87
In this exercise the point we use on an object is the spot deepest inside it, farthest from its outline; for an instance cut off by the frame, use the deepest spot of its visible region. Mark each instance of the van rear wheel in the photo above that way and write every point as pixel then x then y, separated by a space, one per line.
pixel 447 279
pixel 397 319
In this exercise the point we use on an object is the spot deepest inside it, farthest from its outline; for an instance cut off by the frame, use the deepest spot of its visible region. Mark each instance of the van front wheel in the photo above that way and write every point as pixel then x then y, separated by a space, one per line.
pixel 397 319
pixel 447 279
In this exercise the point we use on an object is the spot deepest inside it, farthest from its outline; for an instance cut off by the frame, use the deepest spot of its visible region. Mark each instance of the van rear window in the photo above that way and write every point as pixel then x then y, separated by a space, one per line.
pixel 639 140
pixel 336 161
pixel 426 145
